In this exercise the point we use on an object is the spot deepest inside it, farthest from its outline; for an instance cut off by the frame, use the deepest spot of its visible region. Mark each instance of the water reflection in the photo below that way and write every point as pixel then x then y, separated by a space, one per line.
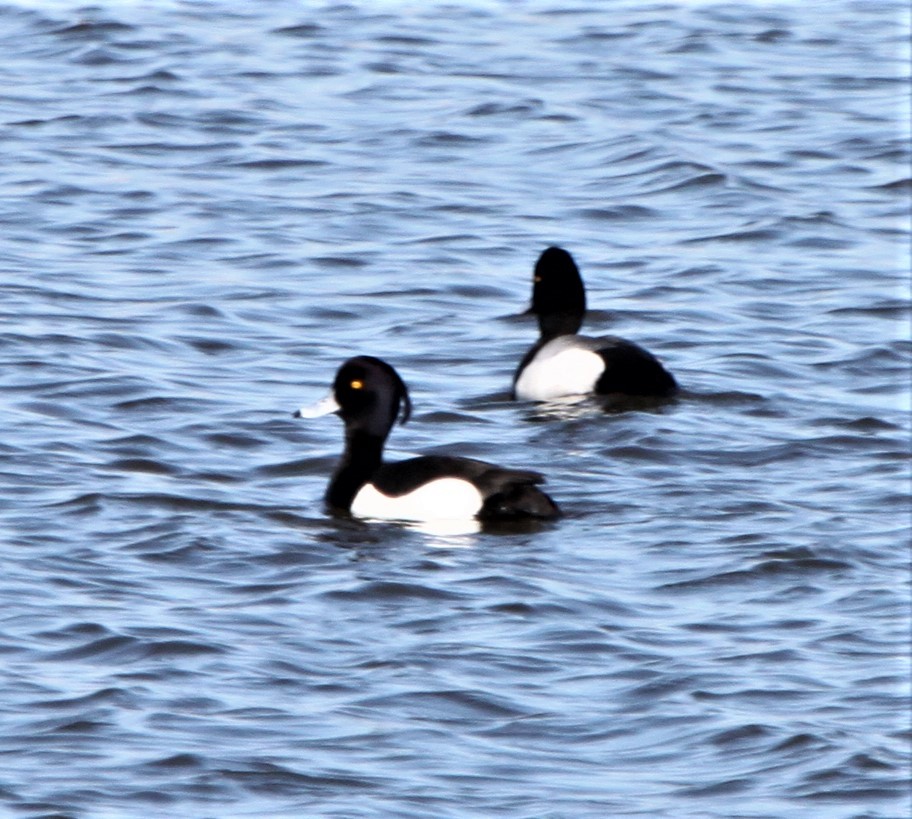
pixel 447 534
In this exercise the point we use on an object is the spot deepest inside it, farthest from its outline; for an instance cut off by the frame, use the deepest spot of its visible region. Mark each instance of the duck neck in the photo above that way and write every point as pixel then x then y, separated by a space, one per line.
pixel 552 325
pixel 360 460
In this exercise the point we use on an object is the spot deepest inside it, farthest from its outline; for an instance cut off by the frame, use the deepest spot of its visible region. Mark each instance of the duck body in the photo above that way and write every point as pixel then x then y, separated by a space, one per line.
pixel 369 395
pixel 435 487
pixel 562 363
pixel 573 365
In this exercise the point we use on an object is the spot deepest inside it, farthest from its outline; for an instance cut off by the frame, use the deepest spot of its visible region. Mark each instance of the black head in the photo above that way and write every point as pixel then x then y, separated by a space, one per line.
pixel 370 395
pixel 558 295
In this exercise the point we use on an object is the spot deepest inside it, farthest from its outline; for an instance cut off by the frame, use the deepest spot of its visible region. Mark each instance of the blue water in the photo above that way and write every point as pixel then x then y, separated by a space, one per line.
pixel 207 206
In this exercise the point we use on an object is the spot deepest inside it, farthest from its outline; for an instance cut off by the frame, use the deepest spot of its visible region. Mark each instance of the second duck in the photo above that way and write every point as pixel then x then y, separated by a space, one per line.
pixel 561 363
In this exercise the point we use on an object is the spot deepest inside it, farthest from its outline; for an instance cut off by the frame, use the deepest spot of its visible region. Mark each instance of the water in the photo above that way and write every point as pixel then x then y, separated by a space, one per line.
pixel 208 206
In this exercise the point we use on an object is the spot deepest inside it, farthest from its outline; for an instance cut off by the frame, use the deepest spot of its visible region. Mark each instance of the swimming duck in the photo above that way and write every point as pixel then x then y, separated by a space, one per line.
pixel 562 363
pixel 369 395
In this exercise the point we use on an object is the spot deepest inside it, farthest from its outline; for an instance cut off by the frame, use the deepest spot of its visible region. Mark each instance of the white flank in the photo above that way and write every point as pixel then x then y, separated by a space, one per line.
pixel 442 499
pixel 561 368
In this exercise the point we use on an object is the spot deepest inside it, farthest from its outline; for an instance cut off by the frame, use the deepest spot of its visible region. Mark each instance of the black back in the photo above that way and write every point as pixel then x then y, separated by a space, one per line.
pixel 631 370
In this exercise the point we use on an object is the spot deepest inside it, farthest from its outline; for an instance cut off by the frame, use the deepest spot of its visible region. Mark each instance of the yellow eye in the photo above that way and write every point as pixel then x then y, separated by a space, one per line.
pixel 356 385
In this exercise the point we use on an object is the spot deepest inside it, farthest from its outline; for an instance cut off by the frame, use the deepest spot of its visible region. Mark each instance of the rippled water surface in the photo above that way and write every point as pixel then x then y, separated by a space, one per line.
pixel 207 206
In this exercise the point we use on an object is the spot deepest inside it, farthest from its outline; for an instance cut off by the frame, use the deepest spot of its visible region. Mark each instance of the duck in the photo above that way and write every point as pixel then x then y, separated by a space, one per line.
pixel 561 363
pixel 369 396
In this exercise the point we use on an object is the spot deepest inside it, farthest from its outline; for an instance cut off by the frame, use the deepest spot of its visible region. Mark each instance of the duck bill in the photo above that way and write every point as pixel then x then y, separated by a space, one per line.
pixel 324 406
